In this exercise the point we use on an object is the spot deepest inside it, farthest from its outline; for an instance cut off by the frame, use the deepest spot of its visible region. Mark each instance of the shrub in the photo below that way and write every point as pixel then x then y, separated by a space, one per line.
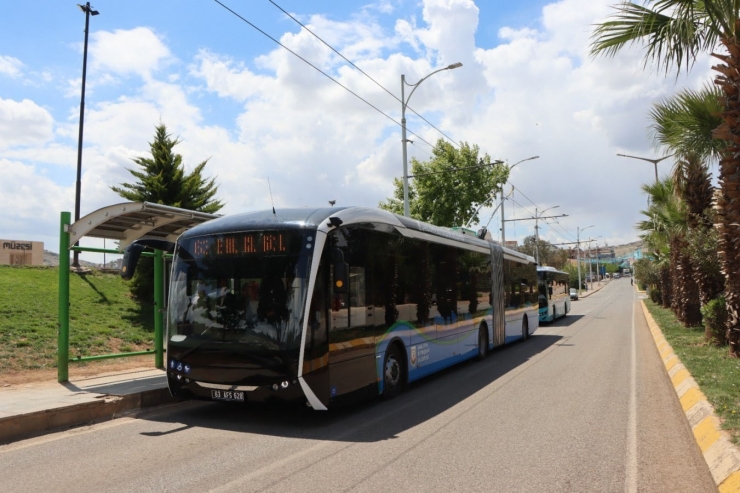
pixel 714 314
pixel 655 295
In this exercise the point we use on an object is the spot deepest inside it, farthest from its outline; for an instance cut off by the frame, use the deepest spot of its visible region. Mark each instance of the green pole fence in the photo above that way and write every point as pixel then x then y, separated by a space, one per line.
pixel 158 308
pixel 63 334
pixel 63 359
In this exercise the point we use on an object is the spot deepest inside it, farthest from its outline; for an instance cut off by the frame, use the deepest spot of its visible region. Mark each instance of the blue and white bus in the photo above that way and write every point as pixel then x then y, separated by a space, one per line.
pixel 554 293
pixel 315 305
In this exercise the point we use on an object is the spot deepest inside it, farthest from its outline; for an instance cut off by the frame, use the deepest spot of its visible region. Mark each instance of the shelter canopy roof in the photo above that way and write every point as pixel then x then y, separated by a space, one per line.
pixel 131 221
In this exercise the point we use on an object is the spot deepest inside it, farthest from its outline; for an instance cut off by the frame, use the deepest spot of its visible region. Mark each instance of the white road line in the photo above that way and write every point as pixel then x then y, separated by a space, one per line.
pixel 630 485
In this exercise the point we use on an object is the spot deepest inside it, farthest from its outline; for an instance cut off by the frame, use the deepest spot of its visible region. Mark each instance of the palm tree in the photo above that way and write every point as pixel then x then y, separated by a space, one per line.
pixel 683 125
pixel 657 230
pixel 693 181
pixel 665 232
pixel 675 32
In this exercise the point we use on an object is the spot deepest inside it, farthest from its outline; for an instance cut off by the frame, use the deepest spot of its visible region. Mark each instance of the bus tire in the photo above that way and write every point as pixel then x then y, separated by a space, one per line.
pixel 482 342
pixel 394 372
pixel 525 328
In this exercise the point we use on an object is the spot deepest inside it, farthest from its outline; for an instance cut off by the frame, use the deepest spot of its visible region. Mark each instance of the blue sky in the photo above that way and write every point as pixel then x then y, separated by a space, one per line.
pixel 527 87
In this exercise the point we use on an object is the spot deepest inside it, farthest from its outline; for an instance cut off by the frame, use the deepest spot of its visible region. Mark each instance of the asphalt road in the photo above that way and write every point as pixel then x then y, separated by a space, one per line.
pixel 583 406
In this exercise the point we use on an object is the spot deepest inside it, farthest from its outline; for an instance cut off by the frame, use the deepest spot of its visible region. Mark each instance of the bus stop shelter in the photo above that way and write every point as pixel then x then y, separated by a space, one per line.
pixel 124 223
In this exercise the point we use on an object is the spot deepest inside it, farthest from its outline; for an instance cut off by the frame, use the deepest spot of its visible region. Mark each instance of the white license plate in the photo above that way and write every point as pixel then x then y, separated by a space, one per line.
pixel 227 395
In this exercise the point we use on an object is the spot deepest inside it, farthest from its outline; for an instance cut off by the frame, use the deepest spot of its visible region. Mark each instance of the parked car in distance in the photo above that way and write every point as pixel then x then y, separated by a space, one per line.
pixel 616 275
pixel 573 293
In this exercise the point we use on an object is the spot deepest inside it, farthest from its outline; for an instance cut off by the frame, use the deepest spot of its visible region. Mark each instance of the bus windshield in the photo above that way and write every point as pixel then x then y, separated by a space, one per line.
pixel 244 288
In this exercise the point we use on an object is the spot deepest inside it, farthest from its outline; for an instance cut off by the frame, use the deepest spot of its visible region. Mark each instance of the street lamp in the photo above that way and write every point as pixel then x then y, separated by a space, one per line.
pixel 88 12
pixel 404 104
pixel 578 254
pixel 654 161
pixel 537 231
pixel 503 232
pixel 590 264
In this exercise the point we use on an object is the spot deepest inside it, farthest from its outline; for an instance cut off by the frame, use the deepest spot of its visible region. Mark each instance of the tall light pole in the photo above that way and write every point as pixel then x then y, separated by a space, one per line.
pixel 590 263
pixel 654 161
pixel 88 12
pixel 537 231
pixel 578 254
pixel 404 104
pixel 503 231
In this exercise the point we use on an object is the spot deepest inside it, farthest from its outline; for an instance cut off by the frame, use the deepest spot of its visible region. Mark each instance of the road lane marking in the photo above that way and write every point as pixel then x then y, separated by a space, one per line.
pixel 631 473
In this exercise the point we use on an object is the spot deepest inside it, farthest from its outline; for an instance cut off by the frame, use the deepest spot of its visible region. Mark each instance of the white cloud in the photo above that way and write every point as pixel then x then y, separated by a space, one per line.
pixel 23 123
pixel 536 93
pixel 33 202
pixel 10 66
pixel 137 51
pixel 228 78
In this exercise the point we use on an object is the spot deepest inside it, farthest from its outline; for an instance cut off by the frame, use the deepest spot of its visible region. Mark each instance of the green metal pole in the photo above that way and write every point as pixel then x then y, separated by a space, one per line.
pixel 159 308
pixel 63 334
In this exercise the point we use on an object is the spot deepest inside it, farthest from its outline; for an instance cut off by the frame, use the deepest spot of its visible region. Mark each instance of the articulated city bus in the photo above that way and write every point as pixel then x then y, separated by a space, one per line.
pixel 554 295
pixel 315 305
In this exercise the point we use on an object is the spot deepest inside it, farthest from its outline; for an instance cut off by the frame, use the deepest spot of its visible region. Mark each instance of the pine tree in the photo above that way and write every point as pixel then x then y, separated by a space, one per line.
pixel 162 180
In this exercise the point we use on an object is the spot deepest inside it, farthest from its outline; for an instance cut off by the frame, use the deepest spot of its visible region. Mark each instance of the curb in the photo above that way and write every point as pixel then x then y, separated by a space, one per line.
pixel 109 407
pixel 722 457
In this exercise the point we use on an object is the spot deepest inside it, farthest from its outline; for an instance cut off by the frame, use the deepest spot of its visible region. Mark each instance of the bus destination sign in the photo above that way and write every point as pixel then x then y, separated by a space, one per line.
pixel 239 245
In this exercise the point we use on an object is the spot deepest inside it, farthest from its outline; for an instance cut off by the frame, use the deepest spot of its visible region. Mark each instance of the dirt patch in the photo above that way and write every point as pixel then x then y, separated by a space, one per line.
pixel 77 370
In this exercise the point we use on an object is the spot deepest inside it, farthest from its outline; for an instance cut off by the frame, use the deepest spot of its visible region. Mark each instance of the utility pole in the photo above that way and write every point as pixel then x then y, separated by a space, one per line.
pixel 503 230
pixel 88 12
pixel 536 218
pixel 578 246
pixel 537 232
pixel 590 270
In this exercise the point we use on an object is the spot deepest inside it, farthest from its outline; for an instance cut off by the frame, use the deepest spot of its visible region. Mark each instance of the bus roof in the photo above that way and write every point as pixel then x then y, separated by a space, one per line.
pixel 547 268
pixel 299 218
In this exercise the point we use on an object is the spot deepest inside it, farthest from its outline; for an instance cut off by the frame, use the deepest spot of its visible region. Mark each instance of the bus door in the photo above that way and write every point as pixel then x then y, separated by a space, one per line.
pixel 352 326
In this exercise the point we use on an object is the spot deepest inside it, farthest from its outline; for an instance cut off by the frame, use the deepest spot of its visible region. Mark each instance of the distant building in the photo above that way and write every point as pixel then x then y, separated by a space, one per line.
pixel 18 252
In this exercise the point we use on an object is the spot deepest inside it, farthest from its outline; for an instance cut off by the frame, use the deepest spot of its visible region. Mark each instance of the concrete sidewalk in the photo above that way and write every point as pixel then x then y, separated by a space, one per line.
pixel 32 409
pixel 597 287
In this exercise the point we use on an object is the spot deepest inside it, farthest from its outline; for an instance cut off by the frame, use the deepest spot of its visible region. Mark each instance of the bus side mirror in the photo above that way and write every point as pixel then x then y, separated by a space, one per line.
pixel 132 253
pixel 130 258
pixel 341 272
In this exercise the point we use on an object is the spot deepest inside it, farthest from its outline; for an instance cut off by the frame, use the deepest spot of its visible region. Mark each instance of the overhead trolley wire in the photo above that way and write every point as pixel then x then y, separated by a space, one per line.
pixel 564 231
pixel 559 228
pixel 320 71
pixel 364 73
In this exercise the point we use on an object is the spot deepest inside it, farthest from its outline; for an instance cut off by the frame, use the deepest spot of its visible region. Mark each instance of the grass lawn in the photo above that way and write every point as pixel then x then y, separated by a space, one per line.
pixel 717 374
pixel 104 318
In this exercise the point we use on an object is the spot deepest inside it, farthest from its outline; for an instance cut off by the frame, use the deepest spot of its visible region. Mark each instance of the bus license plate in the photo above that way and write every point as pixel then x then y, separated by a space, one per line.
pixel 227 395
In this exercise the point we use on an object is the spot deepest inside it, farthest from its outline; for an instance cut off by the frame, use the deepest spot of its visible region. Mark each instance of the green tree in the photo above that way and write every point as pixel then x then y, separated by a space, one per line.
pixel 572 270
pixel 666 233
pixel 162 180
pixel 449 189
pixel 549 253
pixel 675 33
pixel 683 125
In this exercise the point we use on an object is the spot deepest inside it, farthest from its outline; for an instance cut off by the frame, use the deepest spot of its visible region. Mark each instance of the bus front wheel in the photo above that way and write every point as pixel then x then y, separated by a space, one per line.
pixel 393 372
